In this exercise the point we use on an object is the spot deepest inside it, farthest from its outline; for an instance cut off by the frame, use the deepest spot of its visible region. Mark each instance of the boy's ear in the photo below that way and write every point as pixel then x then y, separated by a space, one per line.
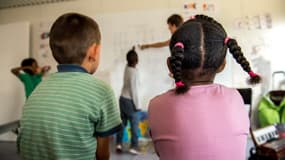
pixel 94 51
pixel 222 67
pixel 97 50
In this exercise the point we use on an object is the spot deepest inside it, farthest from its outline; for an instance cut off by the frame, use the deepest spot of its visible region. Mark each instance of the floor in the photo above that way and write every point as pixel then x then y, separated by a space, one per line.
pixel 146 147
pixel 8 151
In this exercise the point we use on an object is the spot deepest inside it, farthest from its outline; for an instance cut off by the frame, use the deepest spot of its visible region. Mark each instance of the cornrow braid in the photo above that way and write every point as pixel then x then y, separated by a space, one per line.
pixel 176 66
pixel 235 50
pixel 210 20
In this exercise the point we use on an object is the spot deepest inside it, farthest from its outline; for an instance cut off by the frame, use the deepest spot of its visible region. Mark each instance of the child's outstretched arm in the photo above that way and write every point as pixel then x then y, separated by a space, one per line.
pixel 102 152
pixel 154 45
pixel 16 71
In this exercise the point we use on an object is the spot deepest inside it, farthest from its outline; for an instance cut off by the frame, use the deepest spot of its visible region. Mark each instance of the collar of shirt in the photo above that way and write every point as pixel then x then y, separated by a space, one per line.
pixel 71 68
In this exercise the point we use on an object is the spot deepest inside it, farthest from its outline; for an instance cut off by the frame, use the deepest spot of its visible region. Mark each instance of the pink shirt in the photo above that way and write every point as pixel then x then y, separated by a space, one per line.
pixel 209 122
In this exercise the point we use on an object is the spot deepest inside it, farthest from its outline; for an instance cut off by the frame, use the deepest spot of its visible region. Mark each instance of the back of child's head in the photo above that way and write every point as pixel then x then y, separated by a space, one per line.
pixel 132 57
pixel 198 49
pixel 70 37
pixel 28 62
pixel 175 19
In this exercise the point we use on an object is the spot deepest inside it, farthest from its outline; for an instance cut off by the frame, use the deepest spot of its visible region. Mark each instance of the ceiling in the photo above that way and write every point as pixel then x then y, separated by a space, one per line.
pixel 22 3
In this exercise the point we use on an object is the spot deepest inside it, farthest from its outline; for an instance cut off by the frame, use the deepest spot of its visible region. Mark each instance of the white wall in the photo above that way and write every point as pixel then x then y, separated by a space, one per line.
pixel 14 47
pixel 227 10
pixel 227 13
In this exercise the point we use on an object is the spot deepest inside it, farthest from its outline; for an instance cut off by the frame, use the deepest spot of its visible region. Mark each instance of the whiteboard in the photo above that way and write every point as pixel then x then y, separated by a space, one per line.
pixel 14 47
pixel 123 30
pixel 120 31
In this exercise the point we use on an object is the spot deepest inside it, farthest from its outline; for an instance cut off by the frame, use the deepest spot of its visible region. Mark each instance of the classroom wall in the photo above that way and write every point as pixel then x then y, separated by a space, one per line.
pixel 14 46
pixel 227 12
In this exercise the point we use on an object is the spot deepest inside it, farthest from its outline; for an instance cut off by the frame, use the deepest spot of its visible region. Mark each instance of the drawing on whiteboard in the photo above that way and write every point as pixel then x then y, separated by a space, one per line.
pixel 260 21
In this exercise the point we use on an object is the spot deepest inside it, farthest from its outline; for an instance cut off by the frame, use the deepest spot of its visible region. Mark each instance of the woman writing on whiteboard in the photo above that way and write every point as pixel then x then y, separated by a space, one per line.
pixel 174 21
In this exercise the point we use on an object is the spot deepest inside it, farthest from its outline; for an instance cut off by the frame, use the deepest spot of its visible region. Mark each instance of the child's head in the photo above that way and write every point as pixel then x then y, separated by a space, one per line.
pixel 132 58
pixel 75 39
pixel 198 51
pixel 174 21
pixel 30 62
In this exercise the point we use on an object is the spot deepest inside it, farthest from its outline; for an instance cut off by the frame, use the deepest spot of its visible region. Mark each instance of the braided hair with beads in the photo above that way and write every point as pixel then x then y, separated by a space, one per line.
pixel 198 50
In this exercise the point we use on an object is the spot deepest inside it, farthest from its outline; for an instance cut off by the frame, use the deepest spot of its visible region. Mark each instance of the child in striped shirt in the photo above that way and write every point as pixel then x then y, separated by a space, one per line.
pixel 70 114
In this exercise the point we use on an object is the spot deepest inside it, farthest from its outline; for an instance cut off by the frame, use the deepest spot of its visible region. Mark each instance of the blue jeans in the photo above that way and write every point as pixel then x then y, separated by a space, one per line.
pixel 128 112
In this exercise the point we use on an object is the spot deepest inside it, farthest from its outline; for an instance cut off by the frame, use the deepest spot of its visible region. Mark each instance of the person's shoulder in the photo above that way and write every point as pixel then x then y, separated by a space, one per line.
pixel 224 88
pixel 131 69
pixel 230 92
pixel 163 96
pixel 82 82
pixel 24 76
pixel 100 85
pixel 84 79
pixel 161 101
pixel 22 73
pixel 38 75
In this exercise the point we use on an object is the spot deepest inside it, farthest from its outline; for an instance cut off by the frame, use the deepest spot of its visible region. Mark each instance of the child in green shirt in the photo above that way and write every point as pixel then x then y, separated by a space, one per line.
pixel 30 74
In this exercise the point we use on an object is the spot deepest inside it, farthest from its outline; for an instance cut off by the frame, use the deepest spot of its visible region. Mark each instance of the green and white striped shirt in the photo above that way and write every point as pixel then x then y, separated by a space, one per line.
pixel 63 116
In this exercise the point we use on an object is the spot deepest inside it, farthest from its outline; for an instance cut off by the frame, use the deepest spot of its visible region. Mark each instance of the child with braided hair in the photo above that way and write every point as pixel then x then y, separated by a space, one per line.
pixel 200 120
